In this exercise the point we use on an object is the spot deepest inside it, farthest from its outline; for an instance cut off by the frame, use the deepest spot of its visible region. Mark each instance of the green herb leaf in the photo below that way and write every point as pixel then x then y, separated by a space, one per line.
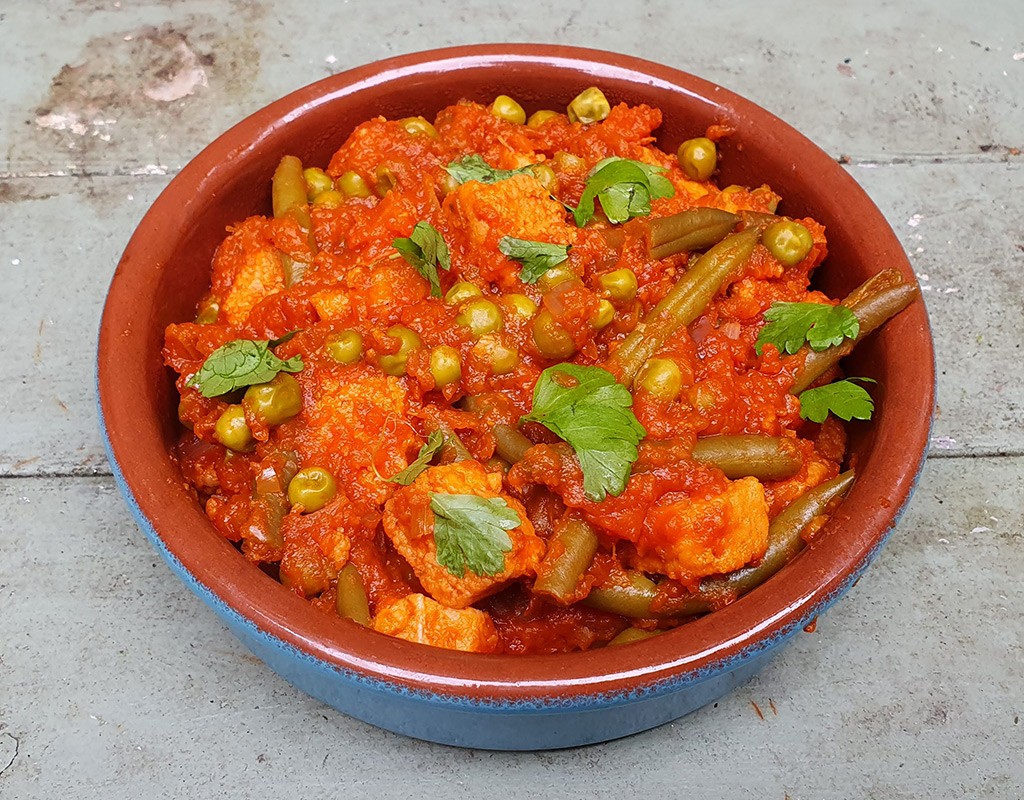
pixel 470 532
pixel 844 399
pixel 536 258
pixel 425 250
pixel 820 325
pixel 595 417
pixel 435 441
pixel 282 339
pixel 625 189
pixel 474 168
pixel 239 363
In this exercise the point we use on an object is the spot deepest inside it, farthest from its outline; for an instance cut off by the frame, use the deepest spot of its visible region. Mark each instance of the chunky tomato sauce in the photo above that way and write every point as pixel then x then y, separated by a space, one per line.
pixel 332 269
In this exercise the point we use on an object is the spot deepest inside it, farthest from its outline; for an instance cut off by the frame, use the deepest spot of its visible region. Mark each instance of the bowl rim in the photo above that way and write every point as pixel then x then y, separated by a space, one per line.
pixel 714 643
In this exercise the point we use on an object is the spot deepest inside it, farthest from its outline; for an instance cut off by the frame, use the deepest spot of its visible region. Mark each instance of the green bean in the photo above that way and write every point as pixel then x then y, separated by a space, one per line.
pixel 767 458
pixel 289 191
pixel 631 635
pixel 351 600
pixel 632 599
pixel 694 229
pixel 511 444
pixel 683 304
pixel 265 519
pixel 872 310
pixel 785 540
pixel 562 573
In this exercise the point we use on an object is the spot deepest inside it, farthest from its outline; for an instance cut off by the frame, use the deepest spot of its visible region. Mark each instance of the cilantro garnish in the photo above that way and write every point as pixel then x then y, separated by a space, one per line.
pixel 471 532
pixel 625 189
pixel 536 258
pixel 239 363
pixel 435 441
pixel 474 168
pixel 820 325
pixel 844 399
pixel 425 250
pixel 595 417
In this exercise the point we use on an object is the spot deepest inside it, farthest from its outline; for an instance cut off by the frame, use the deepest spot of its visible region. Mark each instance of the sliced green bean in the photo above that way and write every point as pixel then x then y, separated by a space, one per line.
pixel 633 635
pixel 694 229
pixel 351 601
pixel 683 304
pixel 511 444
pixel 872 311
pixel 288 191
pixel 454 449
pixel 562 573
pixel 767 458
pixel 632 599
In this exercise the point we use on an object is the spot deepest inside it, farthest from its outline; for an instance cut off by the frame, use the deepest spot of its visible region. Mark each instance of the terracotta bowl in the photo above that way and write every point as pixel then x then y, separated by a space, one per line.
pixel 500 702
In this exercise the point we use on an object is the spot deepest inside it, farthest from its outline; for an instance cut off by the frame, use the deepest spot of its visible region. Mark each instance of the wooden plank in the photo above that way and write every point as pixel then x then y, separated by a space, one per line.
pixel 912 686
pixel 102 88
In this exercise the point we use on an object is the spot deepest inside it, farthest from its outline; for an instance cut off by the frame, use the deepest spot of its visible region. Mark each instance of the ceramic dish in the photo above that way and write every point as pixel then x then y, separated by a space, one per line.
pixel 504 702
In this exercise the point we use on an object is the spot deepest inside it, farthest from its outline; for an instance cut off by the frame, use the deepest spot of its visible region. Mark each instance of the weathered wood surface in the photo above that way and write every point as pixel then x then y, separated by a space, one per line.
pixel 117 681
pixel 114 682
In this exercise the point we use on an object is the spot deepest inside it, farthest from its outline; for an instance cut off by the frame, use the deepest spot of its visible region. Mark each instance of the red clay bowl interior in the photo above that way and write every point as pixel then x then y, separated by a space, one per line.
pixel 165 269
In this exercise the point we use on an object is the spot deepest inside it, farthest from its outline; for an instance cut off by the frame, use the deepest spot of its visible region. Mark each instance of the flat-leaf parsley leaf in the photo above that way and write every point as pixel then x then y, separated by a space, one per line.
pixel 471 532
pixel 595 417
pixel 435 441
pixel 474 168
pixel 242 362
pixel 818 324
pixel 844 399
pixel 536 258
pixel 425 250
pixel 625 189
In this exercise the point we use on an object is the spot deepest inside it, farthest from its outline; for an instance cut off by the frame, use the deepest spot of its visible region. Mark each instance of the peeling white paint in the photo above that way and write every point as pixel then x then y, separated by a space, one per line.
pixel 943 442
pixel 915 220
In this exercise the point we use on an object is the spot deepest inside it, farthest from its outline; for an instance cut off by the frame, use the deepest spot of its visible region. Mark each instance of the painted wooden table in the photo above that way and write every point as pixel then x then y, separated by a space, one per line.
pixel 115 682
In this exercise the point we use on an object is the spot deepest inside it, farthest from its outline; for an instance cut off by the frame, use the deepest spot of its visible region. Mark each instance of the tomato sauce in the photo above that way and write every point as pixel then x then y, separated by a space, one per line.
pixel 334 269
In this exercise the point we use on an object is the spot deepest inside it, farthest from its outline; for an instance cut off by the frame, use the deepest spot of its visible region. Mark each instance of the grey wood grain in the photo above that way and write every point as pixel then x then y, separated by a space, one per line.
pixel 112 674
pixel 102 88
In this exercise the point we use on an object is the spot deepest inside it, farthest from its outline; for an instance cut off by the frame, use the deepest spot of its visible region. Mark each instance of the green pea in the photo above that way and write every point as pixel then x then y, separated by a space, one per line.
pixel 317 181
pixel 445 365
pixel 698 158
pixel 501 358
pixel 329 199
pixel 446 183
pixel 232 431
pixel 352 184
pixel 461 291
pixel 345 347
pixel 522 306
pixel 605 314
pixel 588 106
pixel 418 126
pixel 504 107
pixel 480 316
pixel 620 285
pixel 395 363
pixel 661 377
pixel 788 241
pixel 552 340
pixel 538 118
pixel 312 488
pixel 554 276
pixel 274 402
pixel 545 176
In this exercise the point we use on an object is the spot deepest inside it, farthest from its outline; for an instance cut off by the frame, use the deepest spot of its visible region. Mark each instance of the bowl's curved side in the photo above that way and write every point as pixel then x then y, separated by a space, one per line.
pixel 165 269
